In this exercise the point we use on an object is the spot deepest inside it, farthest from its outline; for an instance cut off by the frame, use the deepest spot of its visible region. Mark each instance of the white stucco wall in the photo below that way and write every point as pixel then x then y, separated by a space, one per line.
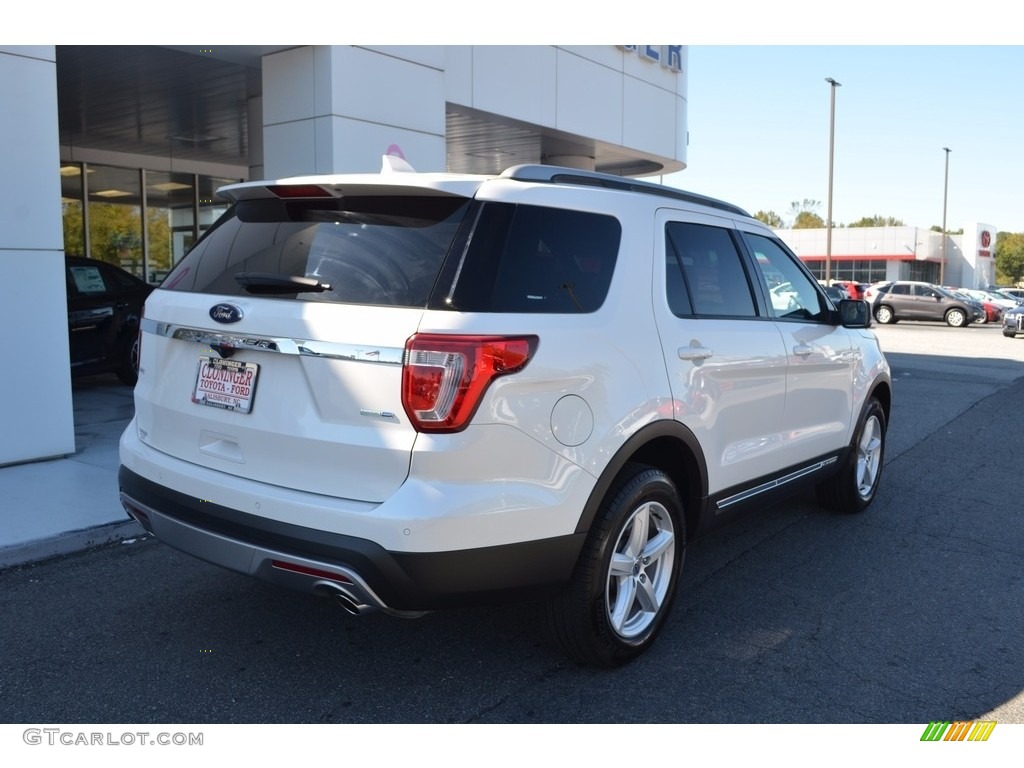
pixel 36 419
pixel 334 109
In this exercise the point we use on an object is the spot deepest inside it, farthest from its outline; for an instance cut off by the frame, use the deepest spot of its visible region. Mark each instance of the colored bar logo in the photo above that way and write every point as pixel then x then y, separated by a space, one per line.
pixel 958 730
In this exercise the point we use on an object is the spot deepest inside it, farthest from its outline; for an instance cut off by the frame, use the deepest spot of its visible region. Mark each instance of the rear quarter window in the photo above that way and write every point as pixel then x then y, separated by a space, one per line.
pixel 533 259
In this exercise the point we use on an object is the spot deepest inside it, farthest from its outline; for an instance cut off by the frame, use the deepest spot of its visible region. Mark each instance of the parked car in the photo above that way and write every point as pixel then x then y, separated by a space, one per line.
pixel 1013 322
pixel 836 293
pixel 414 391
pixel 871 292
pixel 1017 293
pixel 1003 293
pixel 990 297
pixel 911 300
pixel 993 312
pixel 854 289
pixel 104 308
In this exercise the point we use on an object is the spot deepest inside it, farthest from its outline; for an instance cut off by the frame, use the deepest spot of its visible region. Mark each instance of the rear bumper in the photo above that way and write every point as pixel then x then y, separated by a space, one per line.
pixel 312 560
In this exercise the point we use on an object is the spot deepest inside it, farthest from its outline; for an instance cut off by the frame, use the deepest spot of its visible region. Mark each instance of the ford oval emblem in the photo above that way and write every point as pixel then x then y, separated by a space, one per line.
pixel 225 313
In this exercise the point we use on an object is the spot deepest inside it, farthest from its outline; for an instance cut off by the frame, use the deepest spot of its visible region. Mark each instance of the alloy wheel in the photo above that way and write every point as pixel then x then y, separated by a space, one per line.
pixel 640 571
pixel 869 452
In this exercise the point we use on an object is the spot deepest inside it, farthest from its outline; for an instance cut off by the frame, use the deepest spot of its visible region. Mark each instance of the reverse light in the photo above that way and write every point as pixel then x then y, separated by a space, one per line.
pixel 444 376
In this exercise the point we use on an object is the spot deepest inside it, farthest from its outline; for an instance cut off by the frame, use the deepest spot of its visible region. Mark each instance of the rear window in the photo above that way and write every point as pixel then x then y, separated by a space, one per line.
pixel 365 250
pixel 409 251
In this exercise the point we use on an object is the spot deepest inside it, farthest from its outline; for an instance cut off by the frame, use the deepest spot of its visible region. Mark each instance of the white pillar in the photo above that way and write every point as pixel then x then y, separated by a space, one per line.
pixel 337 109
pixel 36 415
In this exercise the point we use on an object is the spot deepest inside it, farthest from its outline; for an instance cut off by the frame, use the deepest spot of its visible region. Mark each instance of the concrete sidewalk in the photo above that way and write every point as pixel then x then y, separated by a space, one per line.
pixel 50 508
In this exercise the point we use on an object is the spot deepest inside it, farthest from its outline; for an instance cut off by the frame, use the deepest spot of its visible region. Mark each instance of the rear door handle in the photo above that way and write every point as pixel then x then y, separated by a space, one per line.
pixel 802 350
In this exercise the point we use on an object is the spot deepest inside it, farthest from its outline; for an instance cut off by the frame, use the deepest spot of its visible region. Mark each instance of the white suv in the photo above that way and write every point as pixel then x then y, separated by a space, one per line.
pixel 417 391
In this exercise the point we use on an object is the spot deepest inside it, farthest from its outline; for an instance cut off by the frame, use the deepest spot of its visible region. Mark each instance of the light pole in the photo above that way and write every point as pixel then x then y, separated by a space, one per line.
pixel 945 197
pixel 831 155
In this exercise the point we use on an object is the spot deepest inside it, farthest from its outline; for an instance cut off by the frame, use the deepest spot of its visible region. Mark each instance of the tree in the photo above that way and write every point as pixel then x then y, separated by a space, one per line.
pixel 799 206
pixel 116 234
pixel 1009 256
pixel 877 221
pixel 771 218
pixel 808 220
pixel 805 214
pixel 937 228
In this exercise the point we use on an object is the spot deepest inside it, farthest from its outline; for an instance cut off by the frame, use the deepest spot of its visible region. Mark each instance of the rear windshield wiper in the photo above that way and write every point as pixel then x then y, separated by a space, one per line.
pixel 273 282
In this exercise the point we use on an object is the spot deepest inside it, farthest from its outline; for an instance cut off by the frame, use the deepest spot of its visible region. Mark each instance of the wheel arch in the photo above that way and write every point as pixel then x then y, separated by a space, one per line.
pixel 883 391
pixel 666 445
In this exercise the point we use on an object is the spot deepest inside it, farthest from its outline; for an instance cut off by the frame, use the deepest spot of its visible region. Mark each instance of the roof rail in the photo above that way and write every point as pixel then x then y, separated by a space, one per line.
pixel 553 174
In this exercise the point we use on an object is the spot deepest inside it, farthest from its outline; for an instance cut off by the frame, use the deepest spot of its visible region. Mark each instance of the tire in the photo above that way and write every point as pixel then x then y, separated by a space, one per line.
pixel 853 487
pixel 956 318
pixel 884 315
pixel 128 372
pixel 624 583
pixel 1009 334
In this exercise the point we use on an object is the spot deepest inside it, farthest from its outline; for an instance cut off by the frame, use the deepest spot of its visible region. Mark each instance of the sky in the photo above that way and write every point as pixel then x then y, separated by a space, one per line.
pixel 758 120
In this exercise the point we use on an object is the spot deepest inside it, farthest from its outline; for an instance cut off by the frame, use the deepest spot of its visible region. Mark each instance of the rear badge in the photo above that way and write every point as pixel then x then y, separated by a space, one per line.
pixel 376 413
pixel 225 313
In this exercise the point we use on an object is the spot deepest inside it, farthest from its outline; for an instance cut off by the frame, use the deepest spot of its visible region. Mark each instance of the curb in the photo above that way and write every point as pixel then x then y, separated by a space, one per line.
pixel 67 543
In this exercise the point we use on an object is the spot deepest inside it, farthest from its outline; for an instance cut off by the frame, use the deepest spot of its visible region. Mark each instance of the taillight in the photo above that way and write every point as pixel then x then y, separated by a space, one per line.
pixel 445 376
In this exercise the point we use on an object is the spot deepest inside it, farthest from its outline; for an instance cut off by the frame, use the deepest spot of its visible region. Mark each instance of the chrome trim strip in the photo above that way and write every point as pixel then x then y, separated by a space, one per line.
pixel 772 484
pixel 253 560
pixel 331 350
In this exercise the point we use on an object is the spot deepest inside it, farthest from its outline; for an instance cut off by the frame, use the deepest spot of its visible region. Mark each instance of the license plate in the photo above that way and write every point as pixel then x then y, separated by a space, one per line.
pixel 228 384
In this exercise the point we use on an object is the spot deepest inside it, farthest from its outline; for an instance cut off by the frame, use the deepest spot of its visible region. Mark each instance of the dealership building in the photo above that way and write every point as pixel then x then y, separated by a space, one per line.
pixel 116 153
pixel 871 254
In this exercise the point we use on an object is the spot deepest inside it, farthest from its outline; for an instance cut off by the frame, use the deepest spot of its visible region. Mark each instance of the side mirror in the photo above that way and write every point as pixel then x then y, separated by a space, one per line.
pixel 854 313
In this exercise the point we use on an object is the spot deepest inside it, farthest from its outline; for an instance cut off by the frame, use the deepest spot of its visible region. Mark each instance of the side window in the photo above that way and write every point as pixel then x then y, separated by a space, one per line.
pixel 794 294
pixel 704 273
pixel 926 292
pixel 900 290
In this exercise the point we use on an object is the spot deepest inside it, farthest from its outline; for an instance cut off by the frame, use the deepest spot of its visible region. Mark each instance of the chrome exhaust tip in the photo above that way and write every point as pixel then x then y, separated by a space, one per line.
pixel 348 602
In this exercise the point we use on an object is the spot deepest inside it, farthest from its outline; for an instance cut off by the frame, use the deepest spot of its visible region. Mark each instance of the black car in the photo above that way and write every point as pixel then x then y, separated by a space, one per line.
pixel 104 307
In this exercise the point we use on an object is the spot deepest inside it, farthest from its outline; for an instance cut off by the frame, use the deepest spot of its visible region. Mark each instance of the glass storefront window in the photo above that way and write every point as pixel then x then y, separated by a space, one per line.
pixel 178 208
pixel 71 208
pixel 210 205
pixel 170 220
pixel 859 270
pixel 115 217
